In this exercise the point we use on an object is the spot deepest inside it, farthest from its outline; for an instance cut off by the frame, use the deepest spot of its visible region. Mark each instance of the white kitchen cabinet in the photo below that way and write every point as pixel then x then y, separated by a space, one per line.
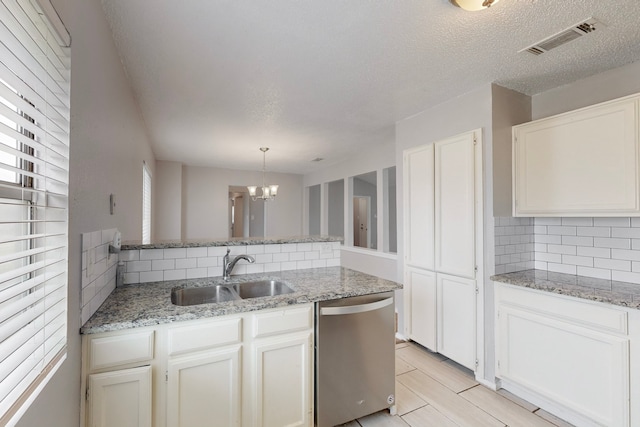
pixel 250 369
pixel 282 388
pixel 565 355
pixel 205 389
pixel 443 245
pixel 581 163
pixel 120 398
pixel 455 206
pixel 419 190
pixel 456 314
pixel 281 370
pixel 420 291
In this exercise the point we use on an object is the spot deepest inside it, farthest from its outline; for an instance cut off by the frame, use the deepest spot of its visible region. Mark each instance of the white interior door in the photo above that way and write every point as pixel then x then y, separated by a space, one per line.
pixel 361 212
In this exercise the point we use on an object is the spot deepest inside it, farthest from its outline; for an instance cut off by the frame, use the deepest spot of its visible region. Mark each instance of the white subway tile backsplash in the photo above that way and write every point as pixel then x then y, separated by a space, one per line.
pixel 593 252
pixel 612 264
pixel 606 248
pixel 173 253
pixel 151 276
pixel 179 274
pixel 137 266
pixel 625 254
pixel 217 251
pixel 561 230
pixel 163 264
pixel 594 231
pixel 562 249
pixel 187 263
pixel 585 222
pixel 197 253
pixel 626 233
pixel 208 262
pixel 577 240
pixel 562 268
pixel 604 242
pixel 577 260
pixel 149 254
pixel 612 222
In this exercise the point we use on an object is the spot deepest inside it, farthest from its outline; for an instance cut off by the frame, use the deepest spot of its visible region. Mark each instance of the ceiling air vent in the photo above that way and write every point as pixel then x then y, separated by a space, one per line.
pixel 565 36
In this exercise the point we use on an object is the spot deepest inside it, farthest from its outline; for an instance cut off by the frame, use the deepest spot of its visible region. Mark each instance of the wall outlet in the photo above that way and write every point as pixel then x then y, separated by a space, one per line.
pixel 91 261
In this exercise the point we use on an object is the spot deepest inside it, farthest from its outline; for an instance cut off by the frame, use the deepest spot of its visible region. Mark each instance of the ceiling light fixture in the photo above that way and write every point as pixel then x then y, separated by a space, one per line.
pixel 269 192
pixel 473 5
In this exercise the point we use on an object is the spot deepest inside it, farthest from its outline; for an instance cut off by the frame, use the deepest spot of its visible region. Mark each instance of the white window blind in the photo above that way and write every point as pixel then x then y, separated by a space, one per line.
pixel 34 165
pixel 146 205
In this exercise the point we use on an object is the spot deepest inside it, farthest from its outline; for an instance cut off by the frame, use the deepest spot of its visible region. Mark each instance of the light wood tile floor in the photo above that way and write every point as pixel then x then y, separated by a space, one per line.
pixel 432 391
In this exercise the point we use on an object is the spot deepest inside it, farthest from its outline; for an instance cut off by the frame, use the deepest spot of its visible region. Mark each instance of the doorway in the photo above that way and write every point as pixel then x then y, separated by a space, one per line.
pixel 361 221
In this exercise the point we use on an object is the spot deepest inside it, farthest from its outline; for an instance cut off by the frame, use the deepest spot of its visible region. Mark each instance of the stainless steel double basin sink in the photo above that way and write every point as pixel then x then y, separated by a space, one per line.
pixel 228 292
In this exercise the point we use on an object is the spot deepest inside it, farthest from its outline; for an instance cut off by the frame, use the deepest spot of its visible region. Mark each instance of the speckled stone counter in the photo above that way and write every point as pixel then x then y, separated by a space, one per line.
pixel 236 241
pixel 618 293
pixel 150 304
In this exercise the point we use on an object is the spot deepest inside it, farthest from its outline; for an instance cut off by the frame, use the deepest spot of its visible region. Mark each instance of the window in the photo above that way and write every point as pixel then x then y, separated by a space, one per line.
pixel 34 164
pixel 146 205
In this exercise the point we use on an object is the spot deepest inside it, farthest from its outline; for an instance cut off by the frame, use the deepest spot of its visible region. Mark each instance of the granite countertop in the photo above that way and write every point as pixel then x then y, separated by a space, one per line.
pixel 234 241
pixel 149 304
pixel 618 293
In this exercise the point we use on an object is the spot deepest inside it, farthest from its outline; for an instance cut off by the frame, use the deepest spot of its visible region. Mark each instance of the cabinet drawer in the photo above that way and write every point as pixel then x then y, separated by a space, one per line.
pixel 592 315
pixel 203 336
pixel 117 350
pixel 279 321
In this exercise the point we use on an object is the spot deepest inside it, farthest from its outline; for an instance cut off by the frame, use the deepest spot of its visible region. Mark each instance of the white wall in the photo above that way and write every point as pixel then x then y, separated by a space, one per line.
pixel 205 199
pixel 108 145
pixel 167 213
pixel 601 87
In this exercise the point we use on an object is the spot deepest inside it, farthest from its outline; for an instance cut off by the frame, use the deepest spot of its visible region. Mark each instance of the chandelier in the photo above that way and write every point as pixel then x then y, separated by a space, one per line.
pixel 269 192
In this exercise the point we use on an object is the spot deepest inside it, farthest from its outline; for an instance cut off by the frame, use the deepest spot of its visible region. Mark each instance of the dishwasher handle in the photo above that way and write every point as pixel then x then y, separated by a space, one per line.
pixel 353 309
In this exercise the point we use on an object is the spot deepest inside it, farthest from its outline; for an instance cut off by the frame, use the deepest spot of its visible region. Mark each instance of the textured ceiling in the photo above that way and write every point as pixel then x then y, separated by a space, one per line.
pixel 217 79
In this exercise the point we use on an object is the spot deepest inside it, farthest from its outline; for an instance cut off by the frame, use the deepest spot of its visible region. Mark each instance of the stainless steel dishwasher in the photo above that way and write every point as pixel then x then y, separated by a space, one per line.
pixel 355 358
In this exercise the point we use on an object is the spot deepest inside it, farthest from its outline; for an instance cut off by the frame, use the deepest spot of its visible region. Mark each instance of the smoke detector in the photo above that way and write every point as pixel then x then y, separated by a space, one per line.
pixel 565 36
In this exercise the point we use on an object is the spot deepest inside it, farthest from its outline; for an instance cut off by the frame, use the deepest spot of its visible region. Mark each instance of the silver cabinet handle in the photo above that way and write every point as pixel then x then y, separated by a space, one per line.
pixel 352 309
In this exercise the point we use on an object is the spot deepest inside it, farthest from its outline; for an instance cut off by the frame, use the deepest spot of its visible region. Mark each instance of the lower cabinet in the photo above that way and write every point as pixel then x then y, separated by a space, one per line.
pixel 120 398
pixel 457 319
pixel 205 389
pixel 283 381
pixel 442 314
pixel 570 355
pixel 251 369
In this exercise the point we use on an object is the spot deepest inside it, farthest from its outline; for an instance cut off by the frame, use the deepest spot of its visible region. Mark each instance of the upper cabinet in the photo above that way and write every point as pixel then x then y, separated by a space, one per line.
pixel 581 163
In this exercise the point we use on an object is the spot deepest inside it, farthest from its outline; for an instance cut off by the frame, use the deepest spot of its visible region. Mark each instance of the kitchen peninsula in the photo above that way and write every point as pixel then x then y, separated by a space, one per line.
pixel 245 362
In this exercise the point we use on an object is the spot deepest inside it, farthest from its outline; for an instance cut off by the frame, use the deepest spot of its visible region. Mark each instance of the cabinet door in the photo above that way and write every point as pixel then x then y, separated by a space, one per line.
pixel 581 163
pixel 282 373
pixel 584 370
pixel 204 389
pixel 420 288
pixel 418 207
pixel 455 204
pixel 457 319
pixel 120 398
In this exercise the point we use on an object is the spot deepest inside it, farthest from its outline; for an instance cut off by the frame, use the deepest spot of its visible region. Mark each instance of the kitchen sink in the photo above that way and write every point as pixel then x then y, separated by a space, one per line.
pixel 203 295
pixel 262 288
pixel 230 292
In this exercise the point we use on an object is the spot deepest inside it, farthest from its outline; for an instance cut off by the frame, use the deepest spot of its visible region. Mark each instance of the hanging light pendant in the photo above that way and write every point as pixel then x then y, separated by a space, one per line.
pixel 473 5
pixel 269 192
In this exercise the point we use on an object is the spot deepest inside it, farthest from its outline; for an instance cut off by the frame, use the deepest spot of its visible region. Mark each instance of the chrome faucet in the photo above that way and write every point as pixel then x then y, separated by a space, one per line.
pixel 227 265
